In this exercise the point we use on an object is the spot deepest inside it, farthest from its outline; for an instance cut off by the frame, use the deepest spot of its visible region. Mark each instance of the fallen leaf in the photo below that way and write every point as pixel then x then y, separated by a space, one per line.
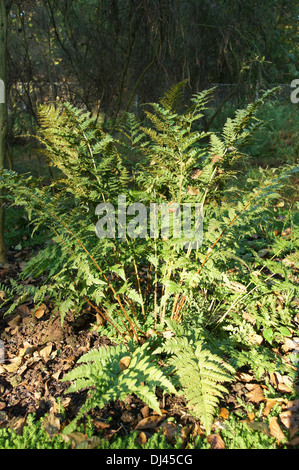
pixel 13 365
pixel 256 394
pixel 2 295
pixel 286 232
pixel 170 430
pixel 224 413
pixel 124 362
pixel 100 424
pixel 51 424
pixel 216 158
pixel 287 418
pixel 283 388
pixel 149 423
pixel 258 426
pixel 56 375
pixel 192 191
pixel 197 430
pixel 91 443
pixel 141 439
pixel 269 405
pixel 15 321
pixel 216 441
pixel 23 310
pixel 275 378
pixel 243 377
pixel 77 437
pixel 255 339
pixel 145 411
pixel 40 311
pixel 275 430
pixel 196 173
pixel 289 344
pixel 46 351
pixel 251 416
pixel 290 417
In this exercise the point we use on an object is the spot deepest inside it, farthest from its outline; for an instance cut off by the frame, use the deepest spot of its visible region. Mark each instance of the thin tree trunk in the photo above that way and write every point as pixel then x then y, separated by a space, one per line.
pixel 3 118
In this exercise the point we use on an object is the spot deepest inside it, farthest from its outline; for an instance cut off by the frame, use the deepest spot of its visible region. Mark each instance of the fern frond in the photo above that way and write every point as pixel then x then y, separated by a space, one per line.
pixel 200 375
pixel 110 380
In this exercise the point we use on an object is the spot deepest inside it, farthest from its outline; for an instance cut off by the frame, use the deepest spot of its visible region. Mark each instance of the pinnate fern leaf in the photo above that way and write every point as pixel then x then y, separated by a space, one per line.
pixel 200 375
pixel 114 373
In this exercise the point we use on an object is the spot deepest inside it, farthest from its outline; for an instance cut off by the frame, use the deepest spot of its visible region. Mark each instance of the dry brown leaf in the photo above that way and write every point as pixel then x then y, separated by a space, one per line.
pixel 216 158
pixel 275 430
pixel 98 424
pixel 141 439
pixel 283 388
pixel 23 310
pixel 124 362
pixel 290 417
pixel 170 430
pixel 197 430
pixel 77 437
pixel 251 416
pixel 275 378
pixel 46 351
pixel 216 441
pixel 255 339
pixel 224 413
pixel 243 377
pixel 145 411
pixel 256 394
pixel 192 191
pixel 14 364
pixel 287 418
pixel 100 320
pixel 196 173
pixel 19 425
pixel 15 321
pixel 289 344
pixel 51 424
pixel 56 375
pixel 39 312
pixel 286 232
pixel 149 423
pixel 258 426
pixel 270 402
pixel 2 295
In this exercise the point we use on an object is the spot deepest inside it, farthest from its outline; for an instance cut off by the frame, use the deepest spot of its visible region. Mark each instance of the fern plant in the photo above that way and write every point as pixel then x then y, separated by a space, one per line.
pixel 200 374
pixel 114 373
pixel 134 284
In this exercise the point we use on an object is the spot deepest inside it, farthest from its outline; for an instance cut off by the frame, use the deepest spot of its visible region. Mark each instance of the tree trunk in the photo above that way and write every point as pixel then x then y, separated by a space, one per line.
pixel 3 117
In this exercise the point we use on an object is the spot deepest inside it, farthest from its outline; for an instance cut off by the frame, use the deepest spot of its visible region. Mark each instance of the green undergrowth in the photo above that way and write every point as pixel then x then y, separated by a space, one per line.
pixel 235 433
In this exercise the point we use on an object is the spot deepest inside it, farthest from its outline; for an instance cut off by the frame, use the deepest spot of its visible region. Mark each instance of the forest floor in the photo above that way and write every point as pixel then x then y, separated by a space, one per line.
pixel 39 351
